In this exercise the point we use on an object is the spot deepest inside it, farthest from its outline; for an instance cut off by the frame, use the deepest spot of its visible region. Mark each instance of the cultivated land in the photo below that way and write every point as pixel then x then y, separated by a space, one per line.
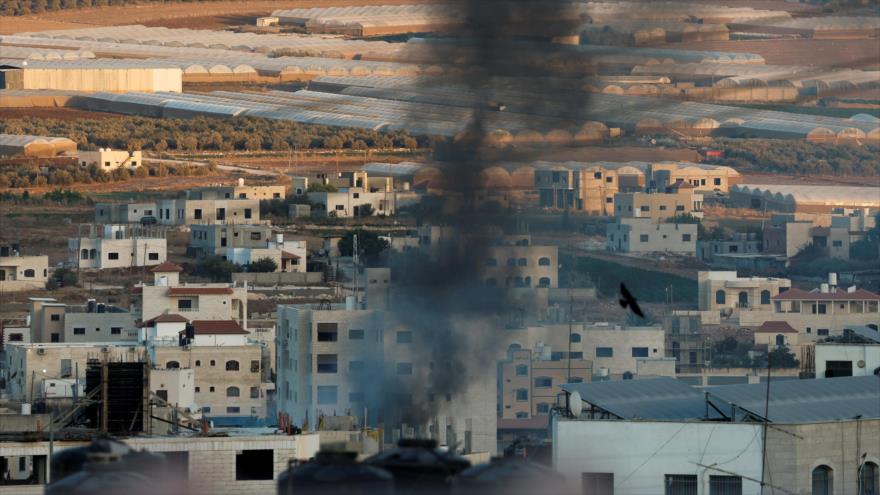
pixel 849 53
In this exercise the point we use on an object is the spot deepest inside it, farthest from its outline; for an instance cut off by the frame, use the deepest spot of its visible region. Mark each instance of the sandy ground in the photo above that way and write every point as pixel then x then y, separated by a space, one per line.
pixel 818 180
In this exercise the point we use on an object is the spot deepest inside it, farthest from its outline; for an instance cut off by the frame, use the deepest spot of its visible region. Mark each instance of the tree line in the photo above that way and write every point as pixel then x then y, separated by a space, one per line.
pixel 23 176
pixel 210 134
pixel 27 7
pixel 799 157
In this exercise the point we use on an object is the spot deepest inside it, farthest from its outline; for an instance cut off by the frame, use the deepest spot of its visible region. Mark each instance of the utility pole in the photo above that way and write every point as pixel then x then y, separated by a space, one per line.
pixel 570 317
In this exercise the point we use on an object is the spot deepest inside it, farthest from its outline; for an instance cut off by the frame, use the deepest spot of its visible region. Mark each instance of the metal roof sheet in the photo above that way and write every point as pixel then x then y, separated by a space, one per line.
pixel 805 401
pixel 654 398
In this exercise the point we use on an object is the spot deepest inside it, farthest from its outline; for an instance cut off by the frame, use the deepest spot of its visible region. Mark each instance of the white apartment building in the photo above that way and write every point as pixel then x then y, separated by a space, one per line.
pixel 215 301
pixel 642 235
pixel 118 246
pixel 18 273
pixel 724 293
pixel 109 160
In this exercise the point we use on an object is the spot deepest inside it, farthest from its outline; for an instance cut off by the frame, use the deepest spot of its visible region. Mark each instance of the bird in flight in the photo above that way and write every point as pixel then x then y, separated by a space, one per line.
pixel 627 299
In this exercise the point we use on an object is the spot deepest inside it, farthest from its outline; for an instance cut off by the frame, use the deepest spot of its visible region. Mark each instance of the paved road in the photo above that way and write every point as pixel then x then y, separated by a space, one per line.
pixel 231 168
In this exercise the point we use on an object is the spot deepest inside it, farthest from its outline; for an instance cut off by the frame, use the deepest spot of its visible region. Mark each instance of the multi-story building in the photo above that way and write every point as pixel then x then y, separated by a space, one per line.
pixel 244 244
pixel 238 191
pixel 19 272
pixel 181 211
pixel 514 262
pixel 214 301
pixel 657 206
pixel 109 160
pixel 824 312
pixel 352 202
pixel 725 293
pixel 529 382
pixel 704 178
pixel 614 350
pixel 720 252
pixel 358 362
pixel 230 376
pixel 118 246
pixel 642 235
pixel 99 323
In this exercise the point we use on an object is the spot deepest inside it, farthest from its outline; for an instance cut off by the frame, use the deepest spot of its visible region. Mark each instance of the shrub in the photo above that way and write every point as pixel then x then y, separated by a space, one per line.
pixel 262 265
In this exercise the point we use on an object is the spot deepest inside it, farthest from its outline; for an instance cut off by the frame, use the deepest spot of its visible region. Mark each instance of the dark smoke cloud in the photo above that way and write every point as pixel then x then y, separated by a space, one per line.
pixel 507 64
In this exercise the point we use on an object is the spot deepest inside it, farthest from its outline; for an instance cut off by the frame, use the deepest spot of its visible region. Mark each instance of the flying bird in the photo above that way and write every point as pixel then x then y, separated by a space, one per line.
pixel 627 299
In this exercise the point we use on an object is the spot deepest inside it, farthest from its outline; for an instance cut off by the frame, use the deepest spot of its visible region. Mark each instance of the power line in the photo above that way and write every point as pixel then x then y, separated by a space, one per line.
pixel 640 466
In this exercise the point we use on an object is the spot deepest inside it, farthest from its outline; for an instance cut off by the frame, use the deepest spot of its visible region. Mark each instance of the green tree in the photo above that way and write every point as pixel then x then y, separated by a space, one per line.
pixel 262 265
pixel 780 357
pixel 319 187
pixel 62 277
pixel 370 245
pixel 215 268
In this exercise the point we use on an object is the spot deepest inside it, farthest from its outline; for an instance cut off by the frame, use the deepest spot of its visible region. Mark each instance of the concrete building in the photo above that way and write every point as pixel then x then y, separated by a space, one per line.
pixel 832 234
pixel 659 207
pixel 642 235
pixel 118 246
pixel 215 301
pixel 827 311
pixel 358 362
pixel 721 252
pixel 238 191
pixel 612 349
pixel 637 437
pixel 19 273
pixel 229 382
pixel 108 213
pixel 109 160
pixel 31 368
pixel 725 293
pixel 182 211
pixel 244 244
pixel 354 202
pixel 240 463
pixel 529 382
pixel 99 323
pixel 519 264
pixel 835 359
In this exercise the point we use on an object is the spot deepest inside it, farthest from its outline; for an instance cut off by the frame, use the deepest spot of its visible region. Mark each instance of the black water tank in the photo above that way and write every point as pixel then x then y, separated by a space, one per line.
pixel 335 473
pixel 510 476
pixel 419 467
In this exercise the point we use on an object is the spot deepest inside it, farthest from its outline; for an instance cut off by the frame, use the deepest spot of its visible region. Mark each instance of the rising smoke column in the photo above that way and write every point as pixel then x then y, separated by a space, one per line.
pixel 502 50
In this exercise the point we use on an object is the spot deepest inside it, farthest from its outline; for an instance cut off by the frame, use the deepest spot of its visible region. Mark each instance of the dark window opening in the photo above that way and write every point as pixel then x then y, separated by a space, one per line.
pixel 255 465
pixel 327 332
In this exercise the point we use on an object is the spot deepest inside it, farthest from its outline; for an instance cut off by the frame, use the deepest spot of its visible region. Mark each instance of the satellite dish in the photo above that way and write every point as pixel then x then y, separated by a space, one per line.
pixel 575 404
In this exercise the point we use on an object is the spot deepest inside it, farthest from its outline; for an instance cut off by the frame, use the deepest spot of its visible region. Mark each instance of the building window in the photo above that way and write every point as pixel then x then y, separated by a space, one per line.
pixel 153 256
pixel 780 339
pixel 869 478
pixel 255 236
pixel 172 365
pixel 404 368
pixel 184 304
pixel 55 317
pixel 575 337
pixel 522 394
pixel 522 262
pixel 327 363
pixel 231 365
pixel 544 282
pixel 685 238
pixel 255 465
pixel 232 392
pixel 79 331
pixel 720 297
pixel 823 481
pixel 725 485
pixel 543 382
pixel 327 332
pixel 206 409
pixel 233 410
pixel 198 362
pixel 112 256
pixel 765 297
pixel 639 352
pixel 355 334
pixel 404 337
pixel 823 332
pixel 598 483
pixel 543 408
pixel 198 389
pixel 604 352
pixel 597 175
pixel 643 238
pixel 248 213
pixel 681 484
pixel 522 370
pixel 522 415
pixel 543 261
pixel 197 213
pixel 326 395
pixel 213 363
pixel 255 392
pixel 115 330
pixel 255 366
pixel 645 208
pixel 29 273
